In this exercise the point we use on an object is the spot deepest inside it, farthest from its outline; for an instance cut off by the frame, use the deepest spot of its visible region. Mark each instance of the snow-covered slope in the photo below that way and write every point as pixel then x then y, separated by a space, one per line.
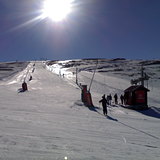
pixel 112 76
pixel 49 121
pixel 11 68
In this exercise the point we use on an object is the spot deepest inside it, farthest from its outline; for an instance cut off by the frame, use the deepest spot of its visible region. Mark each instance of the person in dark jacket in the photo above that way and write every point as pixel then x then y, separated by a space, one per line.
pixel 110 99
pixel 116 98
pixel 122 99
pixel 104 104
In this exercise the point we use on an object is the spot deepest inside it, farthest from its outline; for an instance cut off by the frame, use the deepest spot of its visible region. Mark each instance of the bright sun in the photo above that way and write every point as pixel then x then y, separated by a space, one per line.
pixel 57 10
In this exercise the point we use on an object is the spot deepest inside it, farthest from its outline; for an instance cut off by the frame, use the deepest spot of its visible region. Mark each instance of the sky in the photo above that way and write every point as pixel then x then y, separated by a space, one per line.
pixel 94 29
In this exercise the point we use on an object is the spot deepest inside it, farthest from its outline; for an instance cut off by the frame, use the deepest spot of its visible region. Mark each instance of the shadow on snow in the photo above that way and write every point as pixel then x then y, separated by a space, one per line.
pixel 95 109
pixel 152 112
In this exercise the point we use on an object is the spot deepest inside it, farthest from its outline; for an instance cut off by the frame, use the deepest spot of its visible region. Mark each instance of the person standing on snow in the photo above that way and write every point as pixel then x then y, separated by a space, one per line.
pixel 122 99
pixel 104 104
pixel 116 98
pixel 110 99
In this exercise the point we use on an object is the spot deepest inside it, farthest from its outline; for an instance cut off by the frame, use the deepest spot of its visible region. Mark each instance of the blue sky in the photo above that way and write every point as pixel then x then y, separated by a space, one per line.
pixel 95 29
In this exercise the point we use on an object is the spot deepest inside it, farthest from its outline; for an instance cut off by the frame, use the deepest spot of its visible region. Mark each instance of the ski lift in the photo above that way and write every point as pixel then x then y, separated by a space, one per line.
pixel 86 96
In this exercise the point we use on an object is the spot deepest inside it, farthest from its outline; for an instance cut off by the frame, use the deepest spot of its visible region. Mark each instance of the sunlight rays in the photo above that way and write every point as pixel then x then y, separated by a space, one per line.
pixel 57 10
pixel 27 23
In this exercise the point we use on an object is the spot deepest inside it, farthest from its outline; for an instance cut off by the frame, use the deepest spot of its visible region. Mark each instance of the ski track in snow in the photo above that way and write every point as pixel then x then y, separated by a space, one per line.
pixel 49 121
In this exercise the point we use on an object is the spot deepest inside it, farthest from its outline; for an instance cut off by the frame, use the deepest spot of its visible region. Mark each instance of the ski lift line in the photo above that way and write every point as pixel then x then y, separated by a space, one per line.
pixel 120 90
pixel 27 73
pixel 141 131
pixel 93 76
pixel 144 77
pixel 136 129
pixel 23 76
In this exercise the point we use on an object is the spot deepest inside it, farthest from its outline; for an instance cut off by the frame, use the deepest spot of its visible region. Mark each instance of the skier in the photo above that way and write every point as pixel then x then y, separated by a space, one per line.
pixel 30 78
pixel 24 86
pixel 110 99
pixel 122 99
pixel 116 98
pixel 104 104
pixel 125 98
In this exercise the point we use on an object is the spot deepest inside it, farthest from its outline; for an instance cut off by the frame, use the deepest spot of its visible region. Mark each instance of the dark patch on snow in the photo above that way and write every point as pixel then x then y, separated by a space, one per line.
pixel 144 145
pixel 111 118
pixel 152 112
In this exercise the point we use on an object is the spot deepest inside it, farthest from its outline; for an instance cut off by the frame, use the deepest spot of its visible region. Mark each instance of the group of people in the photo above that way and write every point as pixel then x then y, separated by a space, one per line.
pixel 108 101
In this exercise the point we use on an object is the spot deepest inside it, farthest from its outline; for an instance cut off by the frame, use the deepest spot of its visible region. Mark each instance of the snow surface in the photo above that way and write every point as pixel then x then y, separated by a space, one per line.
pixel 49 121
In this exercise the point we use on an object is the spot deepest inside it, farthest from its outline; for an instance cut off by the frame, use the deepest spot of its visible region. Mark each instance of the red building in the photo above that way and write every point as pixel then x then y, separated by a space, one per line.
pixel 136 97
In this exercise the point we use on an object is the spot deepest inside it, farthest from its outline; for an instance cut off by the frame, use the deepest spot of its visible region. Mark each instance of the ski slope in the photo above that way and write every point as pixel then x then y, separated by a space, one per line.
pixel 49 121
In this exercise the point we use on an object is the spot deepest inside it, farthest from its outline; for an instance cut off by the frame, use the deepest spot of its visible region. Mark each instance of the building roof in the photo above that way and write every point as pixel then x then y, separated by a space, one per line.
pixel 136 87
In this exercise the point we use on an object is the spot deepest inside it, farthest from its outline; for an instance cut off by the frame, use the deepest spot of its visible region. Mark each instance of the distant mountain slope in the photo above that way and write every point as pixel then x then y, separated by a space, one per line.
pixel 11 68
pixel 112 75
pixel 122 68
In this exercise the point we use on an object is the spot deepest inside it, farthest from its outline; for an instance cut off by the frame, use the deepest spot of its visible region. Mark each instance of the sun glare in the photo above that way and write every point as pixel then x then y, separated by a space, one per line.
pixel 57 10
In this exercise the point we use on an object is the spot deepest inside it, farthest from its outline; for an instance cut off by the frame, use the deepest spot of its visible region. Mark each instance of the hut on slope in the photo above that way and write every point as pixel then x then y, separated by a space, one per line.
pixel 136 97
